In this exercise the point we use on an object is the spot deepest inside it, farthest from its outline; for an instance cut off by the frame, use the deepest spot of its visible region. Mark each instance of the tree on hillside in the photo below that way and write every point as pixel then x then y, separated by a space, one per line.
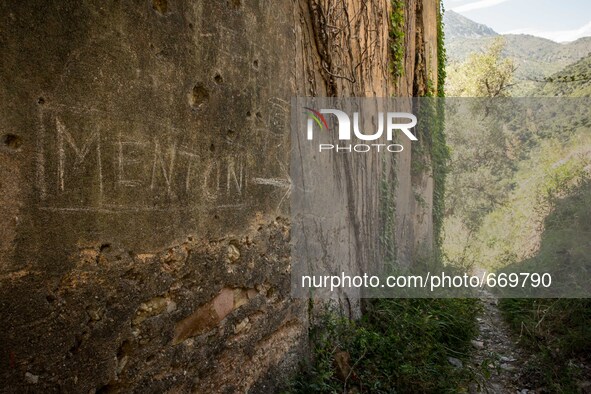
pixel 485 74
pixel 481 164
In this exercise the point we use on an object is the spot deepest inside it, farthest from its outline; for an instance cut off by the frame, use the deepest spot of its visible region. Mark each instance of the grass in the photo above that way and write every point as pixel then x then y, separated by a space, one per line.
pixel 558 331
pixel 558 334
pixel 400 345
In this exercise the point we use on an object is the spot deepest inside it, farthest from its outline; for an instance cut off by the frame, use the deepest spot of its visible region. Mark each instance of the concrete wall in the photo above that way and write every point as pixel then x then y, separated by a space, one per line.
pixel 144 205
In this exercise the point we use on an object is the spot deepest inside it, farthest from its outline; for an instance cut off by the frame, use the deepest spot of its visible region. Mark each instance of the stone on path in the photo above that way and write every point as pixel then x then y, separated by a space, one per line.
pixel 477 344
pixel 455 362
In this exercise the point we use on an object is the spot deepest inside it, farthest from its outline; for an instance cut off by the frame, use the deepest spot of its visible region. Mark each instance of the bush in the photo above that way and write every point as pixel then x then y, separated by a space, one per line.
pixel 400 345
pixel 558 333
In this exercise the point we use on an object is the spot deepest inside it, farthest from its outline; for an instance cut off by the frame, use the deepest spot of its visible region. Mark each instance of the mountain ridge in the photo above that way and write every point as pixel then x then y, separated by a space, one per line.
pixel 456 25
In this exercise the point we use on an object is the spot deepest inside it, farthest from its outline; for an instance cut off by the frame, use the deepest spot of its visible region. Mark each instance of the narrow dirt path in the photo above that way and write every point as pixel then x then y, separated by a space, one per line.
pixel 497 360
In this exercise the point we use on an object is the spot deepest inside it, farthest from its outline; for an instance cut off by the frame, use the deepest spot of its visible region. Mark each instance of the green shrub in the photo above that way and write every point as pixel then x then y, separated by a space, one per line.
pixel 558 333
pixel 400 345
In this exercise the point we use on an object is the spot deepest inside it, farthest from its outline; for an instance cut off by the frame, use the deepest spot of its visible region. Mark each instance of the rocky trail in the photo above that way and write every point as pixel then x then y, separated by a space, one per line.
pixel 497 360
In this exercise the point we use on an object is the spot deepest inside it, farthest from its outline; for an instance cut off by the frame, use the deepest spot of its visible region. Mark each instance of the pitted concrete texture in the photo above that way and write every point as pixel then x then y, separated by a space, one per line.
pixel 139 233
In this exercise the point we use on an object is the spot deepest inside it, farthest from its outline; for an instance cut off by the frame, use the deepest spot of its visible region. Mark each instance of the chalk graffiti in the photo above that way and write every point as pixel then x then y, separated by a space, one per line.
pixel 81 168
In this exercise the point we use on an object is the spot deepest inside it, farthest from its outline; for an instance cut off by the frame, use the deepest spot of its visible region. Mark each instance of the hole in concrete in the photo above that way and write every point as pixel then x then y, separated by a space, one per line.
pixel 191 26
pixel 212 148
pixel 218 79
pixel 235 4
pixel 40 101
pixel 248 114
pixel 160 6
pixel 108 388
pixel 77 344
pixel 259 115
pixel 216 217
pixel 12 141
pixel 230 134
pixel 199 96
pixel 124 349
pixel 50 298
pixel 255 64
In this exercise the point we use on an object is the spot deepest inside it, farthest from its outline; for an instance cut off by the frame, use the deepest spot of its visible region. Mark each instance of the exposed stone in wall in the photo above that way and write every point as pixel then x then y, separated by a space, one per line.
pixel 144 197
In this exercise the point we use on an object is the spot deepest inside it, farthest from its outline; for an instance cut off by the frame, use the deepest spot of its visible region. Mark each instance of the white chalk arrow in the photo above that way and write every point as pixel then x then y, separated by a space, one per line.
pixel 277 182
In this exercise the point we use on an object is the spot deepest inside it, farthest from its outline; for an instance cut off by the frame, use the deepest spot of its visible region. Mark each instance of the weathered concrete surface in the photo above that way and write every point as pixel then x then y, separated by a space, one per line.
pixel 144 243
pixel 414 192
pixel 350 56
pixel 137 194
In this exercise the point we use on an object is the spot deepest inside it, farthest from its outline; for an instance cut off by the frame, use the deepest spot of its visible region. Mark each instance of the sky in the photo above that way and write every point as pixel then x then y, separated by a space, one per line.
pixel 557 20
